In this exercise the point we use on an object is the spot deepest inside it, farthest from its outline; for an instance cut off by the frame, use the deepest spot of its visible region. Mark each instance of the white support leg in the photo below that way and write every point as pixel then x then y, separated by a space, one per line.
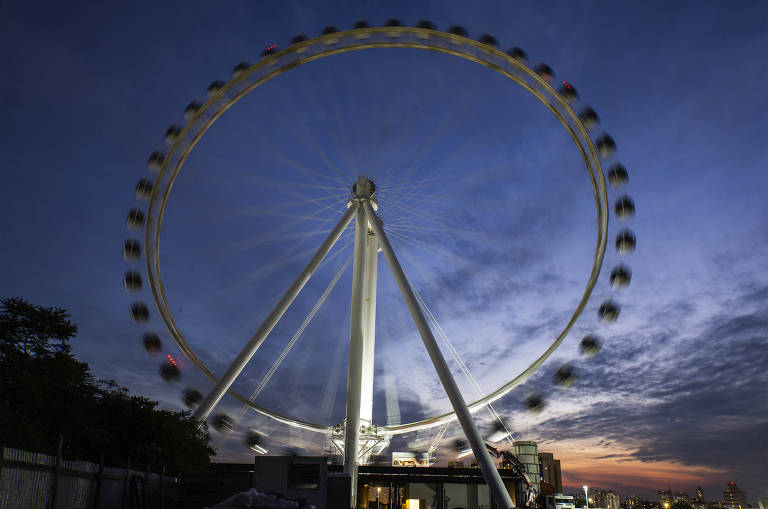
pixel 355 373
pixel 234 369
pixel 482 455
pixel 369 328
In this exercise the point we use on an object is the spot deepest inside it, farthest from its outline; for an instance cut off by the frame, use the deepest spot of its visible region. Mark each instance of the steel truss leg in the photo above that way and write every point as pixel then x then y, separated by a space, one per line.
pixel 355 373
pixel 234 369
pixel 482 455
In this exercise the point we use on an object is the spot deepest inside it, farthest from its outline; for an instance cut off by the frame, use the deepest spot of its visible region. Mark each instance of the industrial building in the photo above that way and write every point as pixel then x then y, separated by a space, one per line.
pixel 551 475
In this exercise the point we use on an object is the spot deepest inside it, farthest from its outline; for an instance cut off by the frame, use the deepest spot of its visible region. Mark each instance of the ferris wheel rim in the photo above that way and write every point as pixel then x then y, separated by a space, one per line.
pixel 458 46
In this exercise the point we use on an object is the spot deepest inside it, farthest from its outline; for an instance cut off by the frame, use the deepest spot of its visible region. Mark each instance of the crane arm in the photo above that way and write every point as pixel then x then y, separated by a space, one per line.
pixel 519 469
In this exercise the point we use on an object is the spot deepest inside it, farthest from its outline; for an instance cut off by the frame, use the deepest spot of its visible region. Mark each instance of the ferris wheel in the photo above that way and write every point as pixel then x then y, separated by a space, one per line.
pixel 363 202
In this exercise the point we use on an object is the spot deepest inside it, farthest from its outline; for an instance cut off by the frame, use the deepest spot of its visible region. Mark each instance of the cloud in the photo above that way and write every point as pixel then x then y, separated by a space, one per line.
pixel 678 395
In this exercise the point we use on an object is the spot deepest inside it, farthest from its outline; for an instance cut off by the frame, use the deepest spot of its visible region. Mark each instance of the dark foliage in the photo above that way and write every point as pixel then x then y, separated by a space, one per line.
pixel 45 391
pixel 34 330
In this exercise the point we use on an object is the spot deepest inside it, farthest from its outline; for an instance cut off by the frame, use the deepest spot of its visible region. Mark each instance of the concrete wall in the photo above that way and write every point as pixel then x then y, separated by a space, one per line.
pixel 293 477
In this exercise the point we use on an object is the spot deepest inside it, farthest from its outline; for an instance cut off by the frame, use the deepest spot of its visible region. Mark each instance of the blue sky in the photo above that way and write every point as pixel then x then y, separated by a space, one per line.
pixel 488 204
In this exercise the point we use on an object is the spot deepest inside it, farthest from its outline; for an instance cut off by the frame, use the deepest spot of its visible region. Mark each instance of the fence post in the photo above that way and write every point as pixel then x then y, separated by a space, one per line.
pixel 162 488
pixel 99 477
pixel 125 484
pixel 144 487
pixel 56 467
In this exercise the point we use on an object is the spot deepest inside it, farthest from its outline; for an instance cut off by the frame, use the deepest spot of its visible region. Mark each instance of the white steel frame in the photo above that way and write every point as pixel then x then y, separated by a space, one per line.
pixel 361 340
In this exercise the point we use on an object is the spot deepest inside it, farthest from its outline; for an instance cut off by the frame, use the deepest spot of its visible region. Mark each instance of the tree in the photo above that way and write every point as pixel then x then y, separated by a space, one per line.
pixel 34 330
pixel 45 391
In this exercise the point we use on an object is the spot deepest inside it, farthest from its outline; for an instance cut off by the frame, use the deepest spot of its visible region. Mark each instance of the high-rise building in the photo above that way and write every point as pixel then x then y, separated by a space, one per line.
pixel 633 502
pixel 549 469
pixel 733 497
pixel 698 502
pixel 603 499
pixel 612 500
pixel 665 498
pixel 528 454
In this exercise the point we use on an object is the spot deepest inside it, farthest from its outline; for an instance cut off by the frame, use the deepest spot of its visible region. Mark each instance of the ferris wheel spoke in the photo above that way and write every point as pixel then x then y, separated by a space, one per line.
pixel 299 190
pixel 436 166
pixel 313 217
pixel 298 239
pixel 284 229
pixel 436 225
pixel 300 134
pixel 403 211
pixel 302 197
pixel 375 126
pixel 458 260
pixel 315 105
pixel 310 173
pixel 267 270
pixel 336 177
pixel 440 187
pixel 249 279
pixel 296 197
pixel 340 133
pixel 263 240
pixel 474 236
pixel 419 160
pixel 237 365
pixel 448 121
pixel 337 190
pixel 336 205
pixel 398 198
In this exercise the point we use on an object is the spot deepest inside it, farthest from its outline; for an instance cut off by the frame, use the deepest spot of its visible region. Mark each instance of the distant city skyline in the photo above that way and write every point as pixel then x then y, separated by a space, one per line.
pixel 731 497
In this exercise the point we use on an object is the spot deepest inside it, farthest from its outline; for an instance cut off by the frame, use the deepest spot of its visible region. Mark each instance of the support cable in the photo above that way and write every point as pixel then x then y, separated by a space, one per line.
pixel 296 336
pixel 299 332
pixel 235 368
pixel 446 341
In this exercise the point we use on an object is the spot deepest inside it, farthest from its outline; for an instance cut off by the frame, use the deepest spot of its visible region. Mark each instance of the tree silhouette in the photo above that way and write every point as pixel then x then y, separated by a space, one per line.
pixel 45 391
pixel 34 330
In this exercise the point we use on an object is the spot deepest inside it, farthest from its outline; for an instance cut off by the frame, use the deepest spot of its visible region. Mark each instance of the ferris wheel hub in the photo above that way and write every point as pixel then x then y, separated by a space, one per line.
pixel 363 190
